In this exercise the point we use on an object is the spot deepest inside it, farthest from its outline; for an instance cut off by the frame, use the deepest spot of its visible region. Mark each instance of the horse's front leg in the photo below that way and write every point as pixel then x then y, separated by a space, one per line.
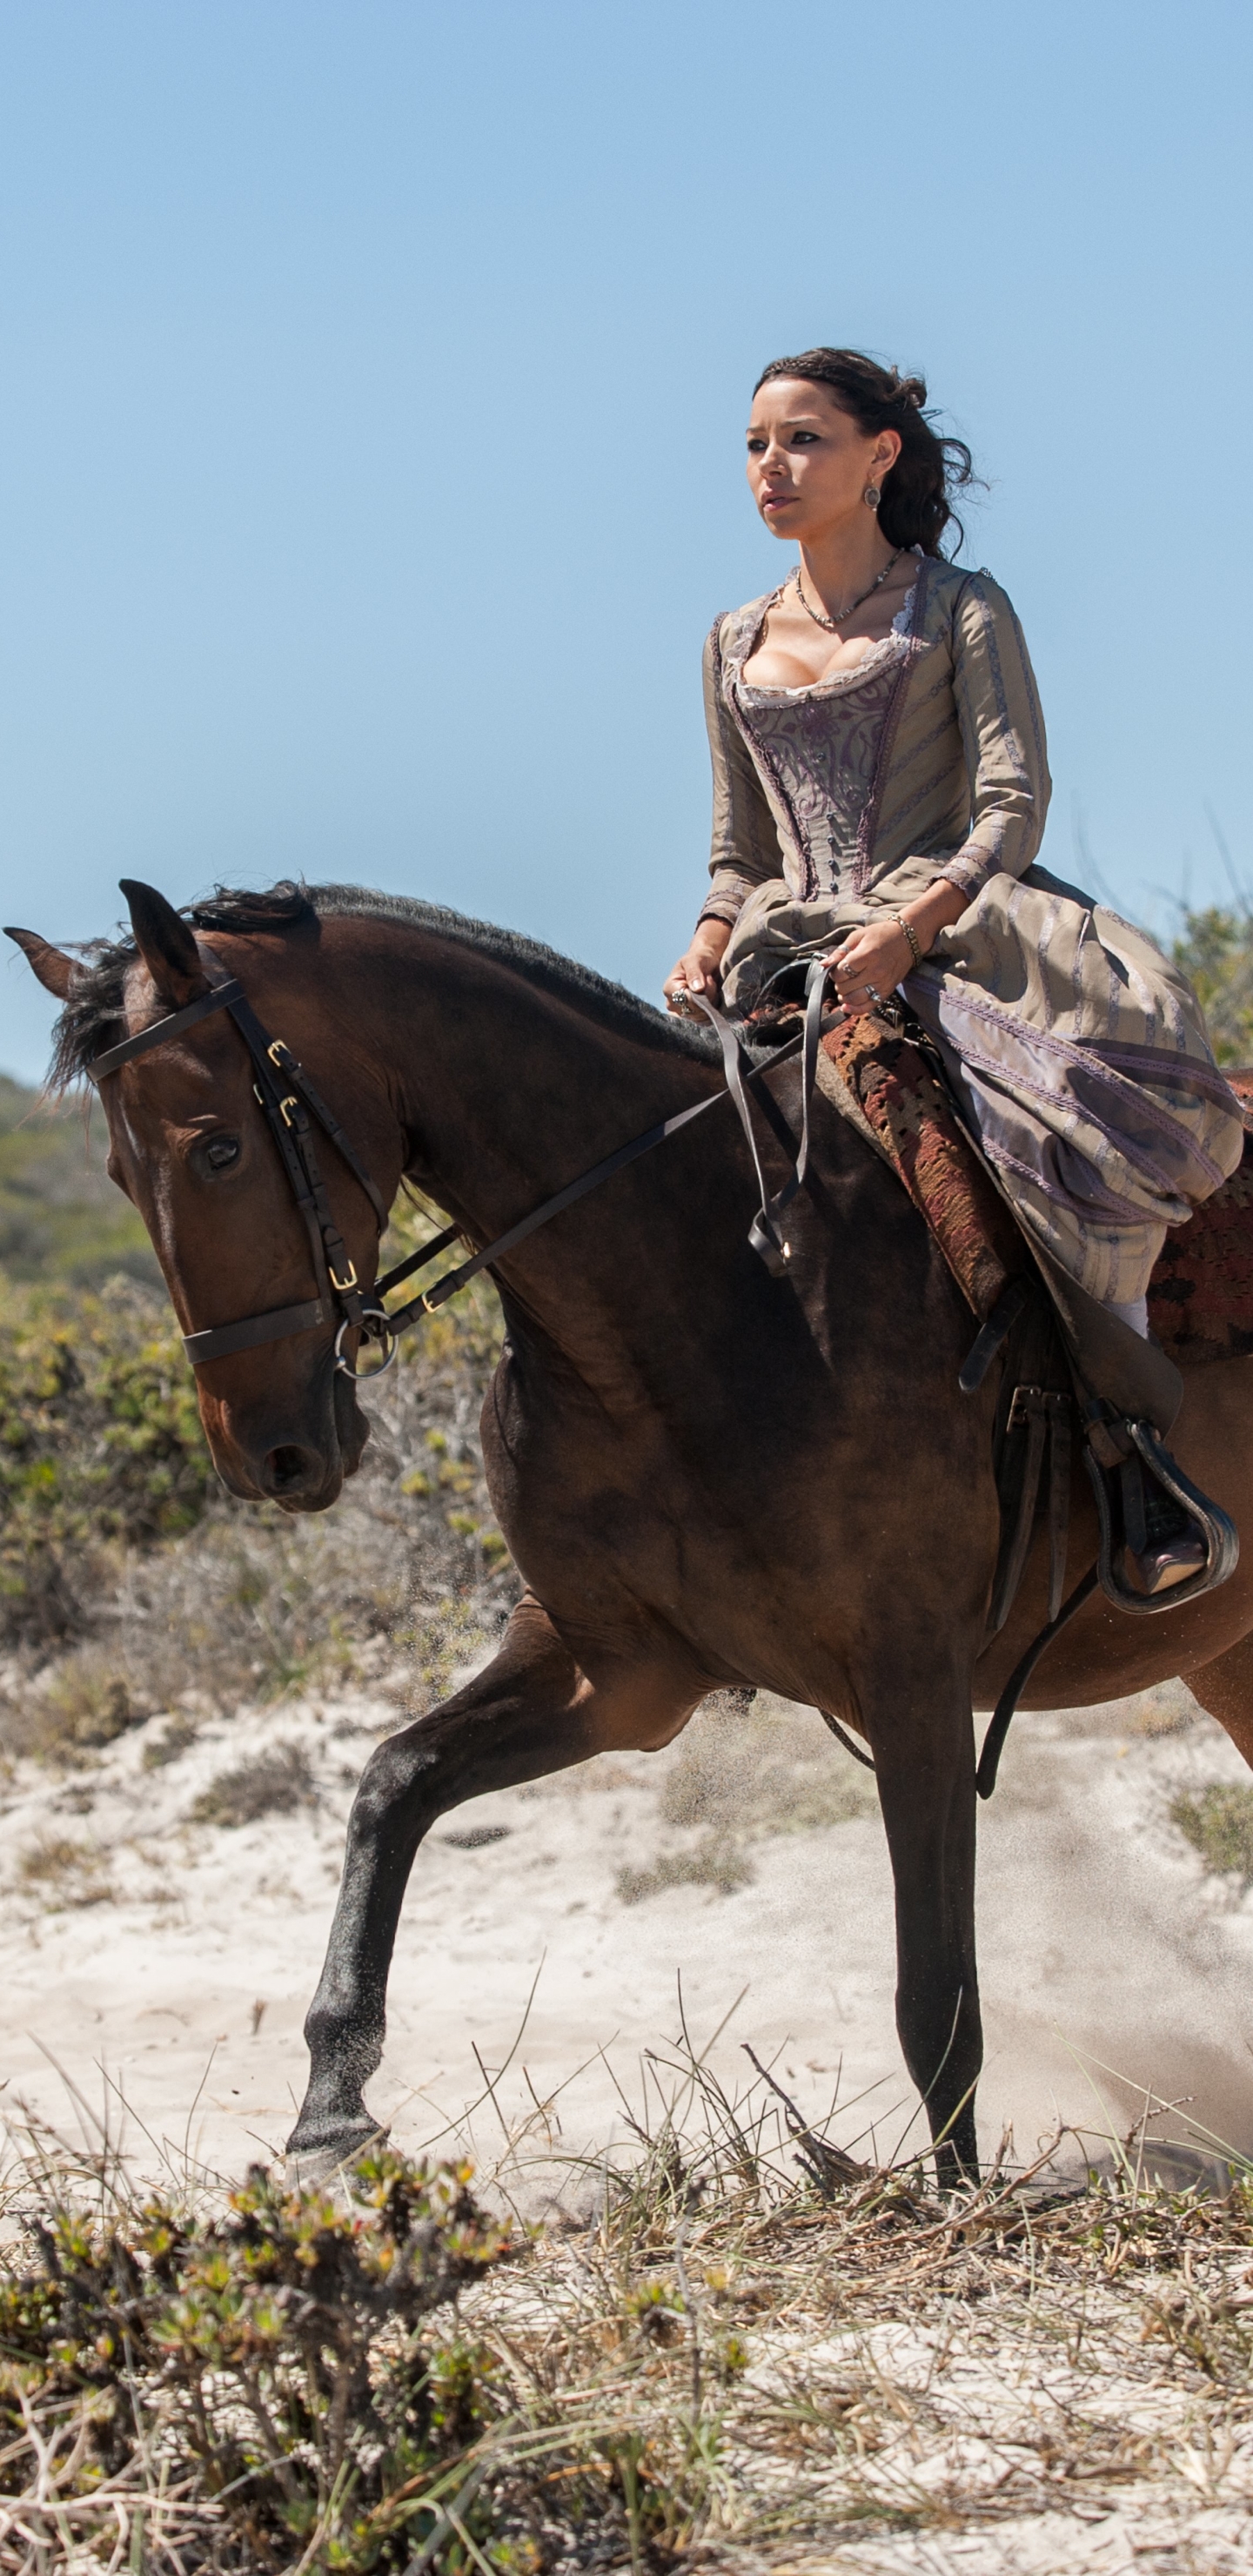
pixel 918 1720
pixel 531 1711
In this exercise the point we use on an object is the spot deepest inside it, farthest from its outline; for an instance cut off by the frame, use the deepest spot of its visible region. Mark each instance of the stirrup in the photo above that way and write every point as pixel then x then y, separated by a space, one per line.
pixel 1112 1445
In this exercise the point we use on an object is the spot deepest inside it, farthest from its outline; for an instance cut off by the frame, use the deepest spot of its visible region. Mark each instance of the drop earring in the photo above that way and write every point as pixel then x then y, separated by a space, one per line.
pixel 871 496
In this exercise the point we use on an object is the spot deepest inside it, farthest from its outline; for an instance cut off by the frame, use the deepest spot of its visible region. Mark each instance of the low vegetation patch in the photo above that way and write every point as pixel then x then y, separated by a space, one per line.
pixel 62 1871
pixel 1218 1822
pixel 272 1782
pixel 711 1862
pixel 247 2390
pixel 174 1739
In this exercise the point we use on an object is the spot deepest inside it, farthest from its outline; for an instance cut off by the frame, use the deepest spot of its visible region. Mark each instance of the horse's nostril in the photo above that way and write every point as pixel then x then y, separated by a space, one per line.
pixel 290 1470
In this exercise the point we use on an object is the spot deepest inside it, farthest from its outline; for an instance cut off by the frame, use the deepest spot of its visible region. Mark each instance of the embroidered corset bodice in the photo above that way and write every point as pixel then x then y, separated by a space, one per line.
pixel 818 748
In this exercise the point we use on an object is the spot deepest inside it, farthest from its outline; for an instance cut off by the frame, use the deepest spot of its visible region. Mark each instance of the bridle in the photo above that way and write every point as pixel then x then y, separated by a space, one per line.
pixel 293 1109
pixel 290 1105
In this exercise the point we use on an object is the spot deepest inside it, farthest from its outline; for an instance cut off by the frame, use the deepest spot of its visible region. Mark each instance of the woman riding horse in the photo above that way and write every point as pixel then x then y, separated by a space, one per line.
pixel 880 789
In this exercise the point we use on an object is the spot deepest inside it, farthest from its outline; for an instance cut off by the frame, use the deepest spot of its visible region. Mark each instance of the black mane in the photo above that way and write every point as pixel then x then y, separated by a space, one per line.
pixel 91 1019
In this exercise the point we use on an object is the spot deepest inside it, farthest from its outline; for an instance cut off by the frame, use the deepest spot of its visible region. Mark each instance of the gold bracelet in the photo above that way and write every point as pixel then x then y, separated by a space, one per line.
pixel 911 935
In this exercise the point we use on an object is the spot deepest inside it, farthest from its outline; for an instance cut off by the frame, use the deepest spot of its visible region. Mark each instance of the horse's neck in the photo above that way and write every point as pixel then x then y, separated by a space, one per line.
pixel 508 1090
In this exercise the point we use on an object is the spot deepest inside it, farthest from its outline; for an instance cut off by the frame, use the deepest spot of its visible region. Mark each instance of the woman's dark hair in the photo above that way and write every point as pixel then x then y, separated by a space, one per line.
pixel 916 508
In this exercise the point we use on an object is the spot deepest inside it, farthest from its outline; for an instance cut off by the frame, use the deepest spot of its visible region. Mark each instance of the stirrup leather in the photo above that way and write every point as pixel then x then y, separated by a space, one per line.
pixel 1112 1443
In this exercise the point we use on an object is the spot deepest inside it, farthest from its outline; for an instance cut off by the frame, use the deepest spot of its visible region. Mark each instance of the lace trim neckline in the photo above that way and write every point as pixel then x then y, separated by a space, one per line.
pixel 837 681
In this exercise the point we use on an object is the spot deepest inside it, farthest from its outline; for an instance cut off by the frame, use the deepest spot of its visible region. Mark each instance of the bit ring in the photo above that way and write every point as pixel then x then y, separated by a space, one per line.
pixel 373 1315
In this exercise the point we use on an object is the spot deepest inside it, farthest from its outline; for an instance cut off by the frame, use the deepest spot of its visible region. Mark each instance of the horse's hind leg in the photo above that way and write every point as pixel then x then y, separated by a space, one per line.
pixel 926 1773
pixel 1225 1689
pixel 531 1711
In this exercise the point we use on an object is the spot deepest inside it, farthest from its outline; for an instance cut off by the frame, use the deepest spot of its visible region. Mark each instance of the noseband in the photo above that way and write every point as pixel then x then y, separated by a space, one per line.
pixel 291 1106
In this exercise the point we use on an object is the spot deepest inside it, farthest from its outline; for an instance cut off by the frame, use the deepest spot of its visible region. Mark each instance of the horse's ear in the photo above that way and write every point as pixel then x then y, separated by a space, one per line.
pixel 165 944
pixel 55 970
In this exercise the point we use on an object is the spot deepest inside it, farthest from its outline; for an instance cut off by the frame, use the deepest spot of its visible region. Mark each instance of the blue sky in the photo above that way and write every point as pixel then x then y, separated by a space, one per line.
pixel 376 375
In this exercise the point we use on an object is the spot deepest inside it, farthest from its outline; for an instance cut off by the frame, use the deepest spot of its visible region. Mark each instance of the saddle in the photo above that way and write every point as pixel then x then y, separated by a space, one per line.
pixel 891 1084
pixel 1068 1364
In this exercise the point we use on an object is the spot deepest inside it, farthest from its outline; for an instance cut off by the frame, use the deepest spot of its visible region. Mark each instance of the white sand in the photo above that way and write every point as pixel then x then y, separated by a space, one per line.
pixel 1100 1938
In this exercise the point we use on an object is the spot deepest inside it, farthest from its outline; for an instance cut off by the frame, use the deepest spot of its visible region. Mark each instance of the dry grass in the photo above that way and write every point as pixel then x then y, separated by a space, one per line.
pixel 175 1739
pixel 271 1783
pixel 708 2357
pixel 753 2366
pixel 63 1872
pixel 712 1862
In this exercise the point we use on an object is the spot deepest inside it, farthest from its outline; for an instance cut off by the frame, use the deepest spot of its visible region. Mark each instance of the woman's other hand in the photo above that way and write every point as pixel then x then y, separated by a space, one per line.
pixel 869 964
pixel 699 970
pixel 874 959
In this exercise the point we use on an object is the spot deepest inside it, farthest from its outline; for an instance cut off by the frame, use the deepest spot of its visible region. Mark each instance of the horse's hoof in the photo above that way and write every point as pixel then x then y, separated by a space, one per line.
pixel 305 2167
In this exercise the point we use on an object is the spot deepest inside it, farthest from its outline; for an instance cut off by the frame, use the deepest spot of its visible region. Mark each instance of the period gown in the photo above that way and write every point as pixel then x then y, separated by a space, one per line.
pixel 1077 1052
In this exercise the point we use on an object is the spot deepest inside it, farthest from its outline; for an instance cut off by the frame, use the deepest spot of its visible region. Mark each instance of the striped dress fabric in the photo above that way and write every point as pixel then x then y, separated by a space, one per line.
pixel 1077 1051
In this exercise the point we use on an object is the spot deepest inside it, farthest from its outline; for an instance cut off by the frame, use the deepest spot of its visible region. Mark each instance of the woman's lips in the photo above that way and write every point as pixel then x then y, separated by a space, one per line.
pixel 777 500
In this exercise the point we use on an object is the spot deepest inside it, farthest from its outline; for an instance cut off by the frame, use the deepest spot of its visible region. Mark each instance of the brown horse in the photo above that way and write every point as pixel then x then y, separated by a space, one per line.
pixel 707 1476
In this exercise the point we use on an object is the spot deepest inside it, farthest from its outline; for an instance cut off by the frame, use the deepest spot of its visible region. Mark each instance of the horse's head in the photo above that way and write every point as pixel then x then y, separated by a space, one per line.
pixel 190 1146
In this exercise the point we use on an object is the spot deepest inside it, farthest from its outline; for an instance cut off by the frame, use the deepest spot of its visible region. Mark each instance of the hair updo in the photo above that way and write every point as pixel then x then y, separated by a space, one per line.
pixel 916 507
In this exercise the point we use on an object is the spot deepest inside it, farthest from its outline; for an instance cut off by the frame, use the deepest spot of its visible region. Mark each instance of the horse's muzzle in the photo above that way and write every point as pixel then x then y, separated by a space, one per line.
pixel 280 1458
pixel 300 1479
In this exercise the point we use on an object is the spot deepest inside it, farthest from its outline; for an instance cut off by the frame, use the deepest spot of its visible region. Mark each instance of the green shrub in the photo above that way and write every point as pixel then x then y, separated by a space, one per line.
pixel 100 1441
pixel 1215 950
pixel 274 2354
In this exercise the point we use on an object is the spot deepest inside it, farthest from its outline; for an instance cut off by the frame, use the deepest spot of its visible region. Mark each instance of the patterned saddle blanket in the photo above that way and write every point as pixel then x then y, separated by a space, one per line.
pixel 1201 1294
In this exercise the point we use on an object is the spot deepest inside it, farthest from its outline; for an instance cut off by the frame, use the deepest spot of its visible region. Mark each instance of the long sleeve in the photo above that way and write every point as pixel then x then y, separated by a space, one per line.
pixel 745 849
pixel 1002 729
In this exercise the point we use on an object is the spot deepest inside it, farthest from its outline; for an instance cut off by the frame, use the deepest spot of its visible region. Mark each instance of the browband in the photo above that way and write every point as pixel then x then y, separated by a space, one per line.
pixel 220 999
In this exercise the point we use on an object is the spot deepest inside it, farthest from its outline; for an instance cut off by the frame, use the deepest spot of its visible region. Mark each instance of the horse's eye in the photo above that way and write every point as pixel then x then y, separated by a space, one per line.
pixel 223 1151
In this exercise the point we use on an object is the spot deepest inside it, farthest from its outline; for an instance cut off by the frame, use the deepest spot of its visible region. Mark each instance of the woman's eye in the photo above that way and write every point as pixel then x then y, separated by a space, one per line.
pixel 804 438
pixel 223 1151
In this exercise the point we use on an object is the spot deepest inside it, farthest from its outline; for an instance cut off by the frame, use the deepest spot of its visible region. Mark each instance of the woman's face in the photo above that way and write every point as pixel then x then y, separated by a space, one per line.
pixel 809 463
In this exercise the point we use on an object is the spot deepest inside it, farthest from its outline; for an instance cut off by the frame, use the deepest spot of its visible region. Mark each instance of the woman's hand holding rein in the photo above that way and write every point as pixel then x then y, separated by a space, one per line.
pixel 866 966
pixel 699 970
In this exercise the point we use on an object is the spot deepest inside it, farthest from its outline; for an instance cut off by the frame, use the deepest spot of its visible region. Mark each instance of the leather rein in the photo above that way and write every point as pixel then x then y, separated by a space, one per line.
pixel 293 1111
